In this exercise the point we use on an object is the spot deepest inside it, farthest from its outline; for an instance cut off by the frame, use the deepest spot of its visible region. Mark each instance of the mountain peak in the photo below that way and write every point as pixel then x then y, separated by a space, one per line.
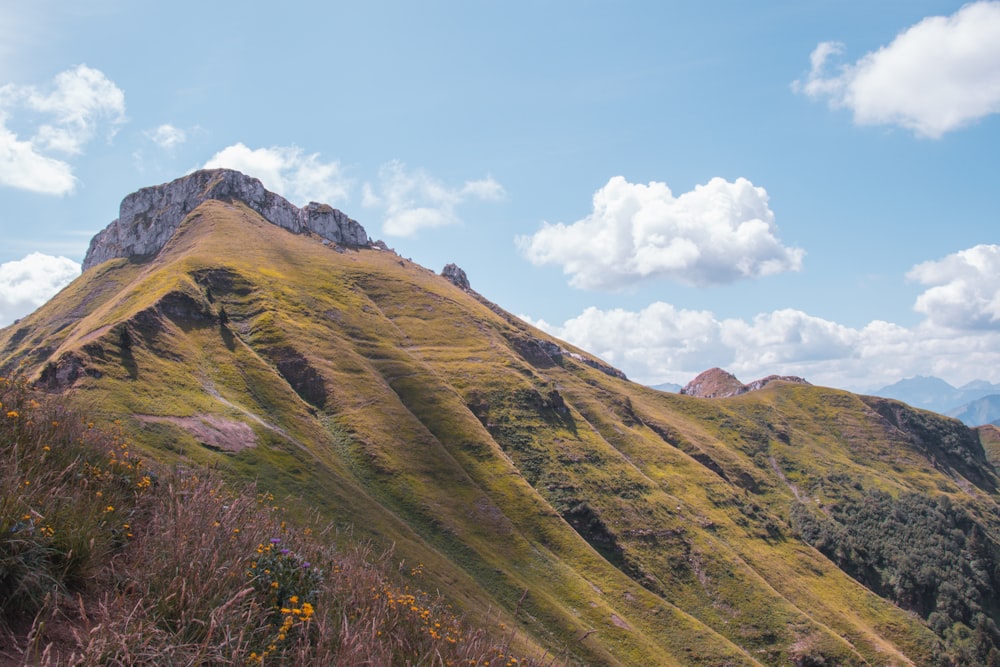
pixel 149 217
pixel 717 383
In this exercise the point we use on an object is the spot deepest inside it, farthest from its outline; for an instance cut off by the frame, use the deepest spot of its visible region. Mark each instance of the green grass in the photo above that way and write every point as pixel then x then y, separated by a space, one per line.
pixel 646 528
pixel 105 561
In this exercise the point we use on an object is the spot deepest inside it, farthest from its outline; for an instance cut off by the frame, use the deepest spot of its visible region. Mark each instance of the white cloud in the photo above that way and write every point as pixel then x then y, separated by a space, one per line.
pixel 166 136
pixel 717 233
pixel 80 98
pixel 23 167
pixel 411 200
pixel 27 283
pixel 652 343
pixel 965 289
pixel 959 340
pixel 936 76
pixel 288 171
pixel 65 116
pixel 414 200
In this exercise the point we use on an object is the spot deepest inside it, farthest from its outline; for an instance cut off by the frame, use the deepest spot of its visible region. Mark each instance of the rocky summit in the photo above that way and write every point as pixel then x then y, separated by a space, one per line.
pixel 717 383
pixel 148 218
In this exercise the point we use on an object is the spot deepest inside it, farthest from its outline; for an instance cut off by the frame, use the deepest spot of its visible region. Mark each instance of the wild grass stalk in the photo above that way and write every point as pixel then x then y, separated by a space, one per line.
pixel 103 562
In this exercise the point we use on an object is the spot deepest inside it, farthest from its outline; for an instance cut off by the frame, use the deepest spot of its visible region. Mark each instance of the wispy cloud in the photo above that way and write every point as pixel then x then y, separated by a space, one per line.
pixel 717 233
pixel 414 200
pixel 65 117
pixel 166 136
pixel 410 200
pixel 288 170
pixel 936 76
pixel 27 283
pixel 961 331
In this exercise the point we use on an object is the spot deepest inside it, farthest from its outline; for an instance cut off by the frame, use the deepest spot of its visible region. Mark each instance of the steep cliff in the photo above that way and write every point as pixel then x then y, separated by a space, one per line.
pixel 149 217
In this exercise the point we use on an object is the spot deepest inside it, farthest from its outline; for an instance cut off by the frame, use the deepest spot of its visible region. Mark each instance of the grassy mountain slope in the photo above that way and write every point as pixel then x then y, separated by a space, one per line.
pixel 625 525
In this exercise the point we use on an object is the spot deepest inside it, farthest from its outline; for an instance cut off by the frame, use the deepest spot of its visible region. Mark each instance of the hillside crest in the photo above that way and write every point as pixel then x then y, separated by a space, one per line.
pixel 149 217
pixel 717 383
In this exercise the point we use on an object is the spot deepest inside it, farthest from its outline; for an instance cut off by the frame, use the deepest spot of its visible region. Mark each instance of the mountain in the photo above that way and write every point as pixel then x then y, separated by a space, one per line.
pixel 921 391
pixel 668 387
pixel 935 394
pixel 717 383
pixel 985 410
pixel 611 523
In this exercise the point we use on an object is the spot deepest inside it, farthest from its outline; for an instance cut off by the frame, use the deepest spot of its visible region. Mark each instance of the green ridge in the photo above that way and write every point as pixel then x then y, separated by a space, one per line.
pixel 623 525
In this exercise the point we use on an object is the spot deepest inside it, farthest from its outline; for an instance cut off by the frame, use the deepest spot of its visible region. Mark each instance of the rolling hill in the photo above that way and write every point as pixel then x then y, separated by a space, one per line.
pixel 613 523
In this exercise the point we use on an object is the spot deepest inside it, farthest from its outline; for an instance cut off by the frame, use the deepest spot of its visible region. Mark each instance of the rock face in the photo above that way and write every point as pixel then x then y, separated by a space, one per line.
pixel 717 383
pixel 714 383
pixel 457 276
pixel 148 218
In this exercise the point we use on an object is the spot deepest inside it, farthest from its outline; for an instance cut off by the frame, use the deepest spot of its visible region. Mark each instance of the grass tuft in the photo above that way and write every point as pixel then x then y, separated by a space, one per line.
pixel 103 562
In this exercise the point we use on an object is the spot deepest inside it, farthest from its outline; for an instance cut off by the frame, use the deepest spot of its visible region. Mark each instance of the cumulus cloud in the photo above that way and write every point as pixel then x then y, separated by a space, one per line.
pixel 65 116
pixel 716 234
pixel 965 289
pixel 27 283
pixel 288 170
pixel 654 342
pixel 959 339
pixel 414 200
pixel 662 343
pixel 936 76
pixel 23 167
pixel 166 136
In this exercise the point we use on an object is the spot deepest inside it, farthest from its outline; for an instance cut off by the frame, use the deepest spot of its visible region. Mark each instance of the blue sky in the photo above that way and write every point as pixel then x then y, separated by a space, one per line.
pixel 776 187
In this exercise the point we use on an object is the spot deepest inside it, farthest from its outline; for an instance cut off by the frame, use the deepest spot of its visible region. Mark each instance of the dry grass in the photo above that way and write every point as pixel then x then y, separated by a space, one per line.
pixel 103 562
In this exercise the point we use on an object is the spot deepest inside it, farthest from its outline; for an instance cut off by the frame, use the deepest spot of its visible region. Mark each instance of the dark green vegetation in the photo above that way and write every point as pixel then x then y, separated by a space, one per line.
pixel 624 525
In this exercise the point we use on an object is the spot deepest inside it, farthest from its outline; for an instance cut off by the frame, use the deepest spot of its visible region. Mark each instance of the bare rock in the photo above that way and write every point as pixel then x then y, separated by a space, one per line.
pixel 456 276
pixel 149 217
pixel 714 383
pixel 717 383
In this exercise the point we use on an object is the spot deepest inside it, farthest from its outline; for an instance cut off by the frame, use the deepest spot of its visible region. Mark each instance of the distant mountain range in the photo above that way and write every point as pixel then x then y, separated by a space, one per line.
pixel 975 403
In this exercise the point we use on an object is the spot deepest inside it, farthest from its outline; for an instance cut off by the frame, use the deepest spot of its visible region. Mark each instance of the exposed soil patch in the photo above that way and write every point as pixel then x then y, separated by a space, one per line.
pixel 620 623
pixel 212 431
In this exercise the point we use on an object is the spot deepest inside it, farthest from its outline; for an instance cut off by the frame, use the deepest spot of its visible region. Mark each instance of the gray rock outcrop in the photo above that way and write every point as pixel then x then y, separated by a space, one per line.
pixel 456 276
pixel 717 383
pixel 148 218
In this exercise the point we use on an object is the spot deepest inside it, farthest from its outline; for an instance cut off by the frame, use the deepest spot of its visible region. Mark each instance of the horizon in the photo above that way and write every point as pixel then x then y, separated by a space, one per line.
pixel 770 190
